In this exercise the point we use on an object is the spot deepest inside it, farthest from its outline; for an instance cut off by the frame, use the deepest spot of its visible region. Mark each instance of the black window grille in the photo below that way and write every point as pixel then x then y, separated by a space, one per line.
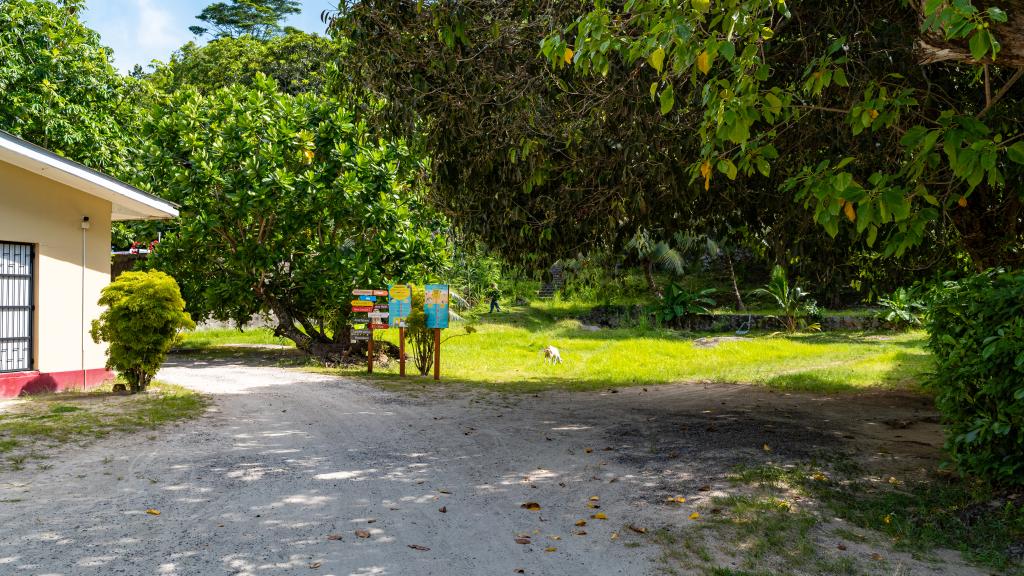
pixel 16 288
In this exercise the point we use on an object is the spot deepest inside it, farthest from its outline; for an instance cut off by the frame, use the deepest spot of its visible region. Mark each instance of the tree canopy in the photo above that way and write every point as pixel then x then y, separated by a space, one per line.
pixel 58 88
pixel 654 114
pixel 260 19
pixel 288 203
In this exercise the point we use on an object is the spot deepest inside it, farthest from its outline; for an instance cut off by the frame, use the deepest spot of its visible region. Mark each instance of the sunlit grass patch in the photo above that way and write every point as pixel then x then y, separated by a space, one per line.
pixel 199 339
pixel 37 423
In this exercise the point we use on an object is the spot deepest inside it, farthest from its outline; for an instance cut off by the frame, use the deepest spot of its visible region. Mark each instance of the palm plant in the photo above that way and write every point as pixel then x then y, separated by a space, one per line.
pixel 653 253
pixel 680 303
pixel 791 300
pixel 902 309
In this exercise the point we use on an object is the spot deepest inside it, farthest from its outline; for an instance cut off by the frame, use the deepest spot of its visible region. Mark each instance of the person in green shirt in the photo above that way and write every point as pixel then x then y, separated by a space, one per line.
pixel 494 294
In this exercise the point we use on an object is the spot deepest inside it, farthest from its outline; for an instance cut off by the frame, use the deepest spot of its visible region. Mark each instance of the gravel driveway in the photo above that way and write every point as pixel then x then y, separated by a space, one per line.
pixel 288 466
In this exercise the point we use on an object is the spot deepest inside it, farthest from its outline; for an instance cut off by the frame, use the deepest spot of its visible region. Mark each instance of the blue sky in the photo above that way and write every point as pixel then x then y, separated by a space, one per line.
pixel 140 31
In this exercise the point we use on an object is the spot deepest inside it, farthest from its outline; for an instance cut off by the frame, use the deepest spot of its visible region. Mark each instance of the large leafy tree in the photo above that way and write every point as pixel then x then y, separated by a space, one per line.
pixel 58 88
pixel 288 203
pixel 260 19
pixel 298 61
pixel 662 115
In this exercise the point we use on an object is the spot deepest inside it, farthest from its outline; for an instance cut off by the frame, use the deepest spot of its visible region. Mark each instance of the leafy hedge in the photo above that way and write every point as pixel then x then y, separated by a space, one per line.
pixel 976 329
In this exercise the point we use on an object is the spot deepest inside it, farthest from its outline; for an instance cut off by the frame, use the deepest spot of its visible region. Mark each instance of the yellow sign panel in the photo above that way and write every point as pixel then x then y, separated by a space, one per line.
pixel 362 304
pixel 399 292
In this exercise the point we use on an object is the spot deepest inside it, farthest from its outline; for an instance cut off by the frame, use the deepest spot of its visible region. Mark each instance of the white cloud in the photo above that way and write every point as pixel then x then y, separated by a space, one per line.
pixel 157 28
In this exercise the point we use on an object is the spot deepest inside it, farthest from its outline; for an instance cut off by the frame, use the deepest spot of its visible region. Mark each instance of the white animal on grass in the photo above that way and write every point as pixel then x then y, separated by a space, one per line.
pixel 552 355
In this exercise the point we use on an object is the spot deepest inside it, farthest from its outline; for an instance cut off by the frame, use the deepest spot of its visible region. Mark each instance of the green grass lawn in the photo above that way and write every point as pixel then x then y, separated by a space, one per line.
pixel 505 354
pixel 199 339
pixel 30 426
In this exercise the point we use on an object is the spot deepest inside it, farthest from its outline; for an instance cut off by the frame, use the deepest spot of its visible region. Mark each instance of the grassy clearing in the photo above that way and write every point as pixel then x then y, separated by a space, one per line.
pixel 30 426
pixel 984 524
pixel 505 354
pixel 201 339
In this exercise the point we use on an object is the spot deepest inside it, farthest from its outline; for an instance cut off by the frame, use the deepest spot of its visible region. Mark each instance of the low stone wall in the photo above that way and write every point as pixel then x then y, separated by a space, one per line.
pixel 624 316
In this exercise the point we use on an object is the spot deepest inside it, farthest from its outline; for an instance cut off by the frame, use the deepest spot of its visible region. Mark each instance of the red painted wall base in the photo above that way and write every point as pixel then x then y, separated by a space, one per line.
pixel 18 383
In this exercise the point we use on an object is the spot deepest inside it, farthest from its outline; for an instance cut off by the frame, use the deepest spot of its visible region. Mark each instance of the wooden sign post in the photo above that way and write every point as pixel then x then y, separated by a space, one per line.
pixel 369 353
pixel 437 353
pixel 401 351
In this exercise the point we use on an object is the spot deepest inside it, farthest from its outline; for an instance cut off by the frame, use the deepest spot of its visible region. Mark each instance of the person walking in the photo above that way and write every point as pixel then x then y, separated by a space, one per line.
pixel 494 294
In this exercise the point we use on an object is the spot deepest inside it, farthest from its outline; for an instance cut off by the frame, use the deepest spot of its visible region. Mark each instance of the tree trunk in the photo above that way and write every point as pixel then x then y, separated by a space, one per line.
pixel 651 283
pixel 735 284
pixel 328 351
pixel 934 47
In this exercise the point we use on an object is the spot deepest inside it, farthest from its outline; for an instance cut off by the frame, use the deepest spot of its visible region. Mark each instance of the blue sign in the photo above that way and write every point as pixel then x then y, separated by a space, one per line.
pixel 435 305
pixel 368 298
pixel 399 303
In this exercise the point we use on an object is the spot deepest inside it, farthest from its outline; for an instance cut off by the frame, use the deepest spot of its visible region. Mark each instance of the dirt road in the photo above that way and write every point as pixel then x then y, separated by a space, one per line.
pixel 288 466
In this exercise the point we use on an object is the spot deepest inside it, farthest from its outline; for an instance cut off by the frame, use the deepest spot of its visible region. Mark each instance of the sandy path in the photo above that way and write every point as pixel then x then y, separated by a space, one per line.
pixel 286 458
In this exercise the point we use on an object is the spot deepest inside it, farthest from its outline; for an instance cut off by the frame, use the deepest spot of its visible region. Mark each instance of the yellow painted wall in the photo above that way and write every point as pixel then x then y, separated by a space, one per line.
pixel 39 211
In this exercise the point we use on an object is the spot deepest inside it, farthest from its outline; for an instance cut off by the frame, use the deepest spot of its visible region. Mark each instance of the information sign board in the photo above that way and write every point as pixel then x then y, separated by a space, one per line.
pixel 435 305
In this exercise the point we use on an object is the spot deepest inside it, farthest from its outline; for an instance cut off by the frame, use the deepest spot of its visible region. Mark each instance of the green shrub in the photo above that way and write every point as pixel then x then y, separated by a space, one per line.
pixel 144 313
pixel 903 309
pixel 976 330
pixel 791 300
pixel 678 302
pixel 422 338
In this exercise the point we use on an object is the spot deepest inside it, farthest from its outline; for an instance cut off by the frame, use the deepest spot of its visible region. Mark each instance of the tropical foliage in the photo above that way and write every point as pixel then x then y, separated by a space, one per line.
pixel 976 331
pixel 144 313
pixel 793 302
pixel 288 204
pixel 902 309
pixel 678 303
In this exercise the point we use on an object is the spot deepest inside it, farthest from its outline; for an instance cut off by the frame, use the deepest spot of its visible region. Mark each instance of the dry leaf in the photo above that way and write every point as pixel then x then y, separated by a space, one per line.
pixel 588 450
pixel 638 529
pixel 519 571
pixel 314 565
pixel 551 549
pixel 362 533
pixel 334 537
pixel 592 505
pixel 532 506
pixel 615 536
pixel 876 556
pixel 887 519
pixel 581 532
pixel 819 477
pixel 841 546
pixel 523 540
pixel 444 492
pixel 766 448
pixel 556 538
pixel 675 500
pixel 581 522
pixel 694 516
pixel 704 488
pixel 600 516
pixel 153 512
pixel 418 547
pixel 595 498
pixel 443 509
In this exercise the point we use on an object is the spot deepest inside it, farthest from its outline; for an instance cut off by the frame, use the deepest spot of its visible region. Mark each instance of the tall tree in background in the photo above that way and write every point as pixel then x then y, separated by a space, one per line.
pixel 288 203
pixel 58 88
pixel 260 19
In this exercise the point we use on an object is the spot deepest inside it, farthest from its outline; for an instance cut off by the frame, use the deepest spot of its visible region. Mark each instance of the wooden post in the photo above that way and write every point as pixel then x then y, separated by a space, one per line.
pixel 437 353
pixel 401 351
pixel 369 353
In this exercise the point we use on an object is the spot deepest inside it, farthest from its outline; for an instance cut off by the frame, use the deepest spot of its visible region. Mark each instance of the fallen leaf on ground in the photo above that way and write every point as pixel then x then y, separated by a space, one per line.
pixel 551 549
pixel 581 533
pixel 581 522
pixel 153 512
pixel 588 450
pixel 523 540
pixel 443 509
pixel 876 556
pixel 362 533
pixel 555 537
pixel 638 529
pixel 819 477
pixel 704 488
pixel 766 448
pixel 694 516
pixel 600 516
pixel 314 565
pixel 530 506
pixel 334 537
pixel 595 498
pixel 519 571
pixel 676 500
pixel 371 520
pixel 444 491
pixel 418 547
pixel 615 536
pixel 841 546
pixel 592 505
